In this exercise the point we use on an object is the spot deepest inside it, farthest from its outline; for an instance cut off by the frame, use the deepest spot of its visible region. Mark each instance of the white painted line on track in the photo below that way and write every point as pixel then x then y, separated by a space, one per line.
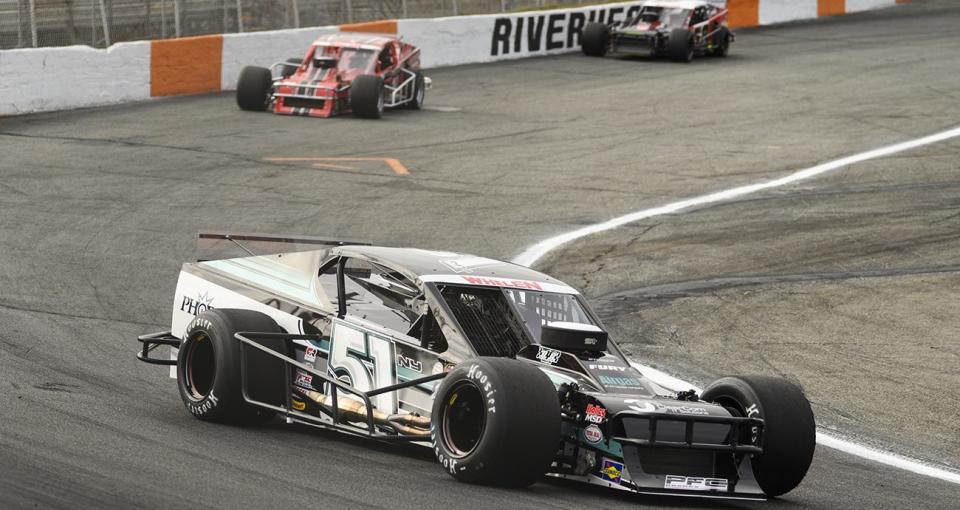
pixel 534 253
pixel 537 251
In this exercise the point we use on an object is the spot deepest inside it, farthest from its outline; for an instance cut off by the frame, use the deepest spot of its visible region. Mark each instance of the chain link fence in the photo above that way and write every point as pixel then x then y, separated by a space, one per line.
pixel 100 23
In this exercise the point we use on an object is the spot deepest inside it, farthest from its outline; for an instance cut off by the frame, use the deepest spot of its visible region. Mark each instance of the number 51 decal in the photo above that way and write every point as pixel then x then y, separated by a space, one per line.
pixel 363 360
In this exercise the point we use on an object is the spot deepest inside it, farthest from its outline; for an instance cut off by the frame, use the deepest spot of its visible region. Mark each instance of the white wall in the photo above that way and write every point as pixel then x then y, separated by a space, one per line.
pixel 42 79
pixel 263 49
pixel 780 11
pixel 863 5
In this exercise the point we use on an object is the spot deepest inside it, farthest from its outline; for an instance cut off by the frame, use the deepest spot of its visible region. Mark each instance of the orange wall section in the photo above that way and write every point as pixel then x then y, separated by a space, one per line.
pixel 743 13
pixel 831 7
pixel 375 27
pixel 190 65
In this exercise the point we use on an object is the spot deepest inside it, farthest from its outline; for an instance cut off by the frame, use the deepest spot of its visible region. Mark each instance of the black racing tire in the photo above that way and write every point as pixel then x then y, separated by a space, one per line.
pixel 419 92
pixel 208 368
pixel 789 431
pixel 366 96
pixel 721 43
pixel 253 88
pixel 496 421
pixel 595 39
pixel 680 45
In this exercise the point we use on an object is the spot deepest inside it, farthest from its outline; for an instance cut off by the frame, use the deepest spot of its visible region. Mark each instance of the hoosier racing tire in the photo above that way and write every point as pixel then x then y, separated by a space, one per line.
pixel 208 368
pixel 496 421
pixel 366 96
pixel 789 431
pixel 680 45
pixel 253 87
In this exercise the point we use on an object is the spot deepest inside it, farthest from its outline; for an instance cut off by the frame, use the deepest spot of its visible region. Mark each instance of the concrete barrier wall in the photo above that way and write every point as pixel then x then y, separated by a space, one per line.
pixel 46 79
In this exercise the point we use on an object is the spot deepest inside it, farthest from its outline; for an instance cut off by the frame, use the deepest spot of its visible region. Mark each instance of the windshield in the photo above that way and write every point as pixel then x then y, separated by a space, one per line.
pixel 666 16
pixel 500 322
pixel 350 61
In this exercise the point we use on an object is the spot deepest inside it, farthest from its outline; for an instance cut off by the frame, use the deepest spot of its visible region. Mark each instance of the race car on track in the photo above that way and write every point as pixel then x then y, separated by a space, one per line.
pixel 675 29
pixel 341 73
pixel 504 372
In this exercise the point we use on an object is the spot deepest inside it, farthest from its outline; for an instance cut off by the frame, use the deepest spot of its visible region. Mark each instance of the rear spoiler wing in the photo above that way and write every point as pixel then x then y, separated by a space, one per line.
pixel 227 245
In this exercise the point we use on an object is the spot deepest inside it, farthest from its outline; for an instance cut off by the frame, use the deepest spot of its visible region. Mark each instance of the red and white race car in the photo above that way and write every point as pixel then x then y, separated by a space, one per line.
pixel 341 73
pixel 678 29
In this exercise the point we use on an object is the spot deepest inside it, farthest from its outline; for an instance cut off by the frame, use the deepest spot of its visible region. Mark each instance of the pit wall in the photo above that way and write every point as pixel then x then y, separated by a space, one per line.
pixel 49 79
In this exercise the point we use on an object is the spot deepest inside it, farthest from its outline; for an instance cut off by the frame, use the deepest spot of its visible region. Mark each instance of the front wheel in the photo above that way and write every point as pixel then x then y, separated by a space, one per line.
pixel 419 92
pixel 721 43
pixel 789 431
pixel 496 421
pixel 253 88
pixel 366 96
pixel 680 45
pixel 595 39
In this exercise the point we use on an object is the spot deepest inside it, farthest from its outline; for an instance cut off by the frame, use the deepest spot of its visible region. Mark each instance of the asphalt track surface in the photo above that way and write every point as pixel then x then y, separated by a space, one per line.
pixel 100 206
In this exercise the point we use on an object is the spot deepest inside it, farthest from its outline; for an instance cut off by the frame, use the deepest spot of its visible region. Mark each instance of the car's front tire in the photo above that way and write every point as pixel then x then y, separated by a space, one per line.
pixel 721 43
pixel 366 96
pixel 209 372
pixel 253 88
pixel 680 45
pixel 595 39
pixel 419 92
pixel 496 421
pixel 789 432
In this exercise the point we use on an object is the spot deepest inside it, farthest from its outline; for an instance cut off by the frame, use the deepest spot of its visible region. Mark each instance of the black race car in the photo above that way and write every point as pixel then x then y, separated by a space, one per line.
pixel 504 372
pixel 675 29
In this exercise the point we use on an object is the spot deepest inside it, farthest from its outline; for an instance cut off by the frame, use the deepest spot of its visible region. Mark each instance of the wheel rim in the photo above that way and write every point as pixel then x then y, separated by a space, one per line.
pixel 380 103
pixel 420 94
pixel 199 366
pixel 464 420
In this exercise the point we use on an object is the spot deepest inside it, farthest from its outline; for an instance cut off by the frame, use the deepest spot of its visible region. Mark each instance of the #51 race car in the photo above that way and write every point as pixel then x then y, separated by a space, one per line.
pixel 503 371
pixel 677 29
pixel 341 73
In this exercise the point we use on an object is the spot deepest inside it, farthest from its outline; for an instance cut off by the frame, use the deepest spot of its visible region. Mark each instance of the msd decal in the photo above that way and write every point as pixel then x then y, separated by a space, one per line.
pixel 554 31
pixel 595 414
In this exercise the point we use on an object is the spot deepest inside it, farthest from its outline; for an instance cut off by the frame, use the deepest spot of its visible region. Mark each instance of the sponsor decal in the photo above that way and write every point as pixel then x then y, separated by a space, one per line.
pixel 683 410
pixel 752 411
pixel 624 382
pixel 476 373
pixel 298 405
pixel 497 282
pixel 310 355
pixel 198 305
pixel 549 31
pixel 548 355
pixel 199 323
pixel 205 405
pixel 593 434
pixel 652 407
pixel 608 368
pixel 611 471
pixel 640 406
pixel 467 264
pixel 304 380
pixel 694 483
pixel 409 363
pixel 595 414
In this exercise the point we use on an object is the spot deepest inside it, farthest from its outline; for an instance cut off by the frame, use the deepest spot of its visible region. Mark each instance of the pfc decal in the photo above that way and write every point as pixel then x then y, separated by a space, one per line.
pixel 595 414
pixel 548 355
pixel 310 355
pixel 409 363
pixel 593 434
pixel 694 483
pixel 304 380
pixel 202 303
pixel 611 471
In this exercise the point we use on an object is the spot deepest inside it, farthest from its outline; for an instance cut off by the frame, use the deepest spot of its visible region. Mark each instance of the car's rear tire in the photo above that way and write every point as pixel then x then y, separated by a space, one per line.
pixel 721 43
pixel 496 421
pixel 680 45
pixel 208 368
pixel 789 431
pixel 419 92
pixel 366 96
pixel 253 88
pixel 595 39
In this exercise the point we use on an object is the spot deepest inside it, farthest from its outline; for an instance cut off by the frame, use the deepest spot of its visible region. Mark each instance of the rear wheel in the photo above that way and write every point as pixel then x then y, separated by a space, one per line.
pixel 253 88
pixel 721 43
pixel 680 45
pixel 496 421
pixel 366 96
pixel 789 431
pixel 208 368
pixel 595 39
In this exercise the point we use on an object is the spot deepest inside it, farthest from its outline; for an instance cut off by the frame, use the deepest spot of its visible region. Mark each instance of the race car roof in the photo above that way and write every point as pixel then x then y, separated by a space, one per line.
pixel 458 268
pixel 354 39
